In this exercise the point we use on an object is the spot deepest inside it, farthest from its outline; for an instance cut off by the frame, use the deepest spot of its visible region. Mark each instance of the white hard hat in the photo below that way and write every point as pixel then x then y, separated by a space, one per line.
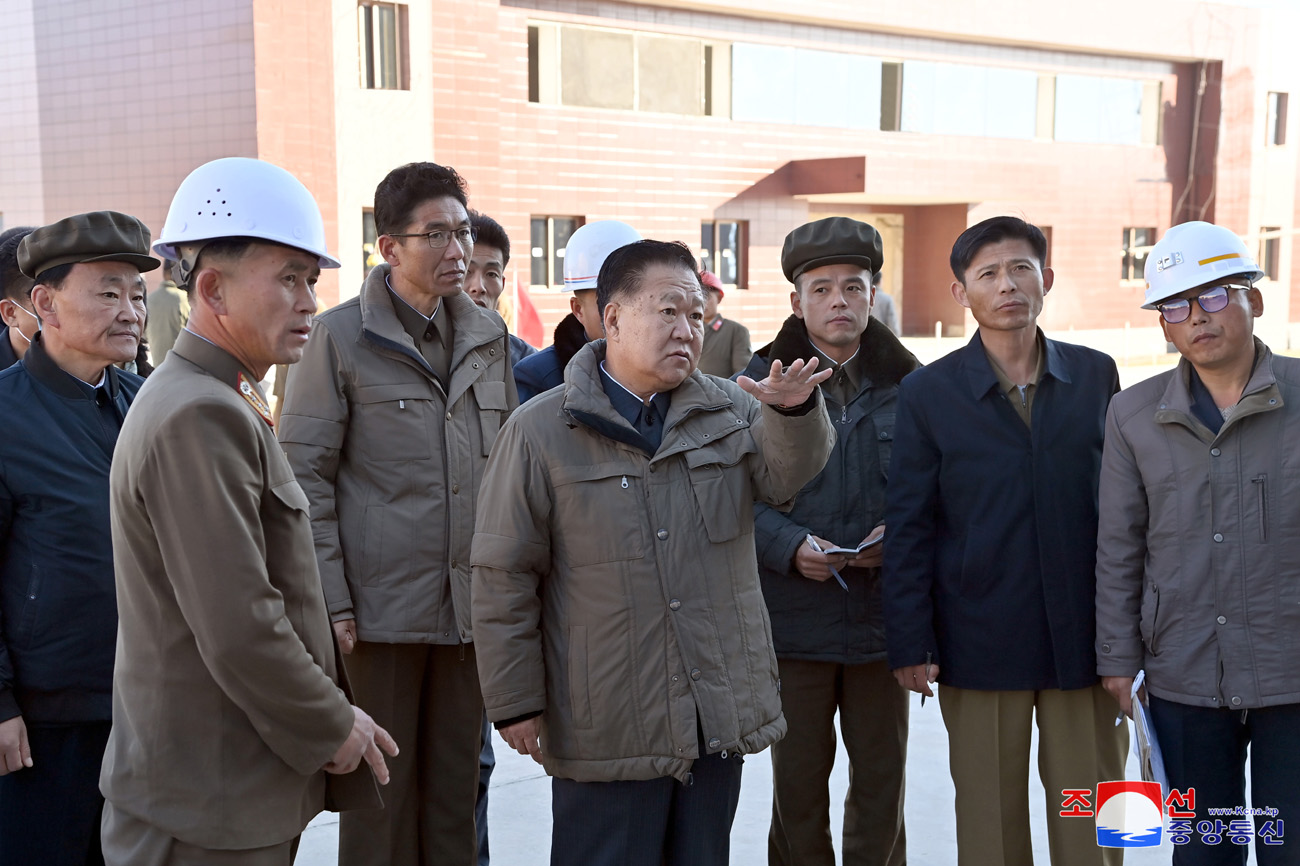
pixel 589 246
pixel 237 197
pixel 1194 254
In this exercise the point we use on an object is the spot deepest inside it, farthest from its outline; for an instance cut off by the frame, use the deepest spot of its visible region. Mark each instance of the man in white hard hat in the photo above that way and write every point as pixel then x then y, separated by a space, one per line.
pixel 583 256
pixel 387 423
pixel 230 728
pixel 1198 551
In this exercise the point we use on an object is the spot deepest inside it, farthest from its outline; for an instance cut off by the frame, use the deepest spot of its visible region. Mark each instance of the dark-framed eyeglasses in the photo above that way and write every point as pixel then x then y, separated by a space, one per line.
pixel 1211 301
pixel 439 238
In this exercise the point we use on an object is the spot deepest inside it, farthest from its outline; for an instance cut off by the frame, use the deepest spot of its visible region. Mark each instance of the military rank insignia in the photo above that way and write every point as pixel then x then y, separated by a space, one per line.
pixel 249 392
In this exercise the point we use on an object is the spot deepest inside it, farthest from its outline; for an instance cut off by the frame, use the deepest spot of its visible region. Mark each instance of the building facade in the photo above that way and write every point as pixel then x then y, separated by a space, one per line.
pixel 722 123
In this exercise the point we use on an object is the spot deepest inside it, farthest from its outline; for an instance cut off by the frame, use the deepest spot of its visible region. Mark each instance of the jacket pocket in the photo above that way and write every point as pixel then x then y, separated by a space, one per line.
pixel 599 513
pixel 884 427
pixel 1260 483
pixel 579 681
pixel 721 486
pixel 392 421
pixel 1149 616
pixel 490 398
pixel 31 605
pixel 292 496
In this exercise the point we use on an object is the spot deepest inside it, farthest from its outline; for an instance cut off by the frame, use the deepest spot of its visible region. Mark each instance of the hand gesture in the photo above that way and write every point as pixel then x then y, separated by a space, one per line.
pixel 365 741
pixel 786 387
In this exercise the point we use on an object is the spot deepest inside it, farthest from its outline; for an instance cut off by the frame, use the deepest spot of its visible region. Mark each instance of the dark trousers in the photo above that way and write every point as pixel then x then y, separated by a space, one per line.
pixel 487 761
pixel 658 822
pixel 872 707
pixel 49 814
pixel 428 698
pixel 1205 749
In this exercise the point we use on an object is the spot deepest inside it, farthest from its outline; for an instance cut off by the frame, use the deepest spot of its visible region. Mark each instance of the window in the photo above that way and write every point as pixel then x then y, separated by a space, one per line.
pixel 803 86
pixel 958 99
pixel 1270 247
pixel 1095 110
pixel 384 52
pixel 369 241
pixel 723 248
pixel 1137 245
pixel 550 235
pixel 1276 132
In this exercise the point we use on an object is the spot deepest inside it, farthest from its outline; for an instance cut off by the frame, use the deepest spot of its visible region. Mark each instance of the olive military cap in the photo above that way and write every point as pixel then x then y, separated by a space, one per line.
pixel 831 241
pixel 101 236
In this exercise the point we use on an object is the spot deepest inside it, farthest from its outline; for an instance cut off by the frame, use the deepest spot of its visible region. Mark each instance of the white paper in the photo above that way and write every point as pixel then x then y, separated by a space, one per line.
pixel 1146 748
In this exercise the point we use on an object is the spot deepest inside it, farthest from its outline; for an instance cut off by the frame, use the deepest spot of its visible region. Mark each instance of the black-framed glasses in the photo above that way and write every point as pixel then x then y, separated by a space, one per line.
pixel 1211 301
pixel 439 238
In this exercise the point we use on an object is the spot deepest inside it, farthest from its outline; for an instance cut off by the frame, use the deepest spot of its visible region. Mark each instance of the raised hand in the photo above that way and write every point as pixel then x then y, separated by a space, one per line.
pixel 786 387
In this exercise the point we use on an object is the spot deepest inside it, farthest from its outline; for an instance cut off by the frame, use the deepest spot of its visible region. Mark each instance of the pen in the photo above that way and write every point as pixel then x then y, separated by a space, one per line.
pixel 928 657
pixel 812 542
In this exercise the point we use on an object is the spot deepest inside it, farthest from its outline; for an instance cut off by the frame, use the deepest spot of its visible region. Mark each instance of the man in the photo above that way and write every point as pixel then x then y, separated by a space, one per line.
pixel 989 556
pixel 1197 568
pixel 726 342
pixel 227 707
pixel 622 637
pixel 583 257
pixel 827 626
pixel 169 310
pixel 58 621
pixel 18 324
pixel 485 279
pixel 882 306
pixel 388 422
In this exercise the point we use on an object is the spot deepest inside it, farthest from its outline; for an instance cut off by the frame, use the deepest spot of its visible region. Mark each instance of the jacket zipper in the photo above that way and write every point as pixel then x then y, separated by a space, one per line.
pixel 1261 485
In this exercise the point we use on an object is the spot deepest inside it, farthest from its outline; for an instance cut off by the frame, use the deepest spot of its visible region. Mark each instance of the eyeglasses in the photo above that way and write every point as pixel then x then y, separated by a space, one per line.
pixel 1211 301
pixel 439 238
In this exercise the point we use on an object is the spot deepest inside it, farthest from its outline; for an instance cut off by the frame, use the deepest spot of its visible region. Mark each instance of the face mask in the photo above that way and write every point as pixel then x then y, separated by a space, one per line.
pixel 30 313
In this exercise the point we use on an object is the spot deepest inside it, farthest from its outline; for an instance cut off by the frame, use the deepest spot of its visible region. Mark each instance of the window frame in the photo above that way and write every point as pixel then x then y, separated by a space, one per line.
pixel 553 254
pixel 741 251
pixel 1133 255
pixel 370 48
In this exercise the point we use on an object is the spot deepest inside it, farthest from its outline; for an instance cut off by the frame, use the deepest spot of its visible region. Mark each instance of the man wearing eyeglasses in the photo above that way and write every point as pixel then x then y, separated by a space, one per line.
pixel 1198 567
pixel 388 420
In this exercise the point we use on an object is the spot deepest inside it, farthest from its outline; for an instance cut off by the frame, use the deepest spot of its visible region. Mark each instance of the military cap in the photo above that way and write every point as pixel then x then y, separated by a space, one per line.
pixel 831 241
pixel 101 236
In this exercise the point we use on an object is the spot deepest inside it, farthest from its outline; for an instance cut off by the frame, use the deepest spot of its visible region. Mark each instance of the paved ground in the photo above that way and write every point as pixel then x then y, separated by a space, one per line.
pixel 519 809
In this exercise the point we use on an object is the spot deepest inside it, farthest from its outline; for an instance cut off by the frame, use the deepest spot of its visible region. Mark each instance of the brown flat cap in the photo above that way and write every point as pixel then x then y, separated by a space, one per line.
pixel 831 241
pixel 102 236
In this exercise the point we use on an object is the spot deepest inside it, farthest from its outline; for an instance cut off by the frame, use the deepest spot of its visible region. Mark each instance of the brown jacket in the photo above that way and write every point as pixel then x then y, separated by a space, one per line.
pixel 225 697
pixel 391 462
pixel 617 593
pixel 726 350
pixel 1198 557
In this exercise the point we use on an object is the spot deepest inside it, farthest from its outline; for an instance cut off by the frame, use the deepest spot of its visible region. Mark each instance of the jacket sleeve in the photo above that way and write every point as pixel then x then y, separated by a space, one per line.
pixel 1121 555
pixel 511 555
pixel 740 350
pixel 777 537
pixel 792 449
pixel 204 496
pixel 912 503
pixel 312 429
pixel 8 703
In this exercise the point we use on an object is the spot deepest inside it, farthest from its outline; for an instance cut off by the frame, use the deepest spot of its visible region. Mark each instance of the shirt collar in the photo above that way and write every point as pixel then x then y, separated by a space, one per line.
pixel 626 402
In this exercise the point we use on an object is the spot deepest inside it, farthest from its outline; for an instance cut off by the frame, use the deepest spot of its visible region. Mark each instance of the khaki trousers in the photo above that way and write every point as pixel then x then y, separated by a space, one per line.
pixel 989 733
pixel 873 720
pixel 128 841
pixel 427 697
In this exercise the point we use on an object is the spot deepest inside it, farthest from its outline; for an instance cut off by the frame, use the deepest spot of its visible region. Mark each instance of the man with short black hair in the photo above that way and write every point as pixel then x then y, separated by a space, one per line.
pixel 989 557
pixel 829 634
pixel 388 422
pixel 622 637
pixel 485 279
pixel 57 602
pixel 18 324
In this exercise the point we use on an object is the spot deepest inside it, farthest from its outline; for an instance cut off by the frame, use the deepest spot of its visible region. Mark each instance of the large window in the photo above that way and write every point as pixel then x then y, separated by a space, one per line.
pixel 1136 247
pixel 1276 131
pixel 550 235
pixel 384 51
pixel 955 99
pixel 1270 249
pixel 723 247
pixel 1094 110
pixel 803 86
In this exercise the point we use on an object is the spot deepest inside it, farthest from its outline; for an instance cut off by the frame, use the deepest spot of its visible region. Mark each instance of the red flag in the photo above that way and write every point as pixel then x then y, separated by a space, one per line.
pixel 528 324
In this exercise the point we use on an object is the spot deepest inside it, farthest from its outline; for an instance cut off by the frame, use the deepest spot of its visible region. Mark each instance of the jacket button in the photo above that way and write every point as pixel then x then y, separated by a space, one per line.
pixel 1223 620
pixel 453 564
pixel 662 534
pixel 676 678
pixel 492 351
pixel 882 435
pixel 448 416
pixel 675 604
pixel 714 742
pixel 1215 452
pixel 1236 701
pixel 476 365
pixel 1218 536
pixel 1105 647
pixel 455 488
pixel 695 673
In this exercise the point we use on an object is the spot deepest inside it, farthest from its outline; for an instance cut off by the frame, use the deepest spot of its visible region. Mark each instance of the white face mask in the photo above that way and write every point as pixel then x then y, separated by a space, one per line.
pixel 30 313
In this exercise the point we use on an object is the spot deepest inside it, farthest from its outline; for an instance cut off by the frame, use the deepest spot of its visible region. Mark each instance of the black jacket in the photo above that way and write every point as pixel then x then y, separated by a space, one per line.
pixel 58 607
pixel 992 541
pixel 544 370
pixel 7 356
pixel 820 621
